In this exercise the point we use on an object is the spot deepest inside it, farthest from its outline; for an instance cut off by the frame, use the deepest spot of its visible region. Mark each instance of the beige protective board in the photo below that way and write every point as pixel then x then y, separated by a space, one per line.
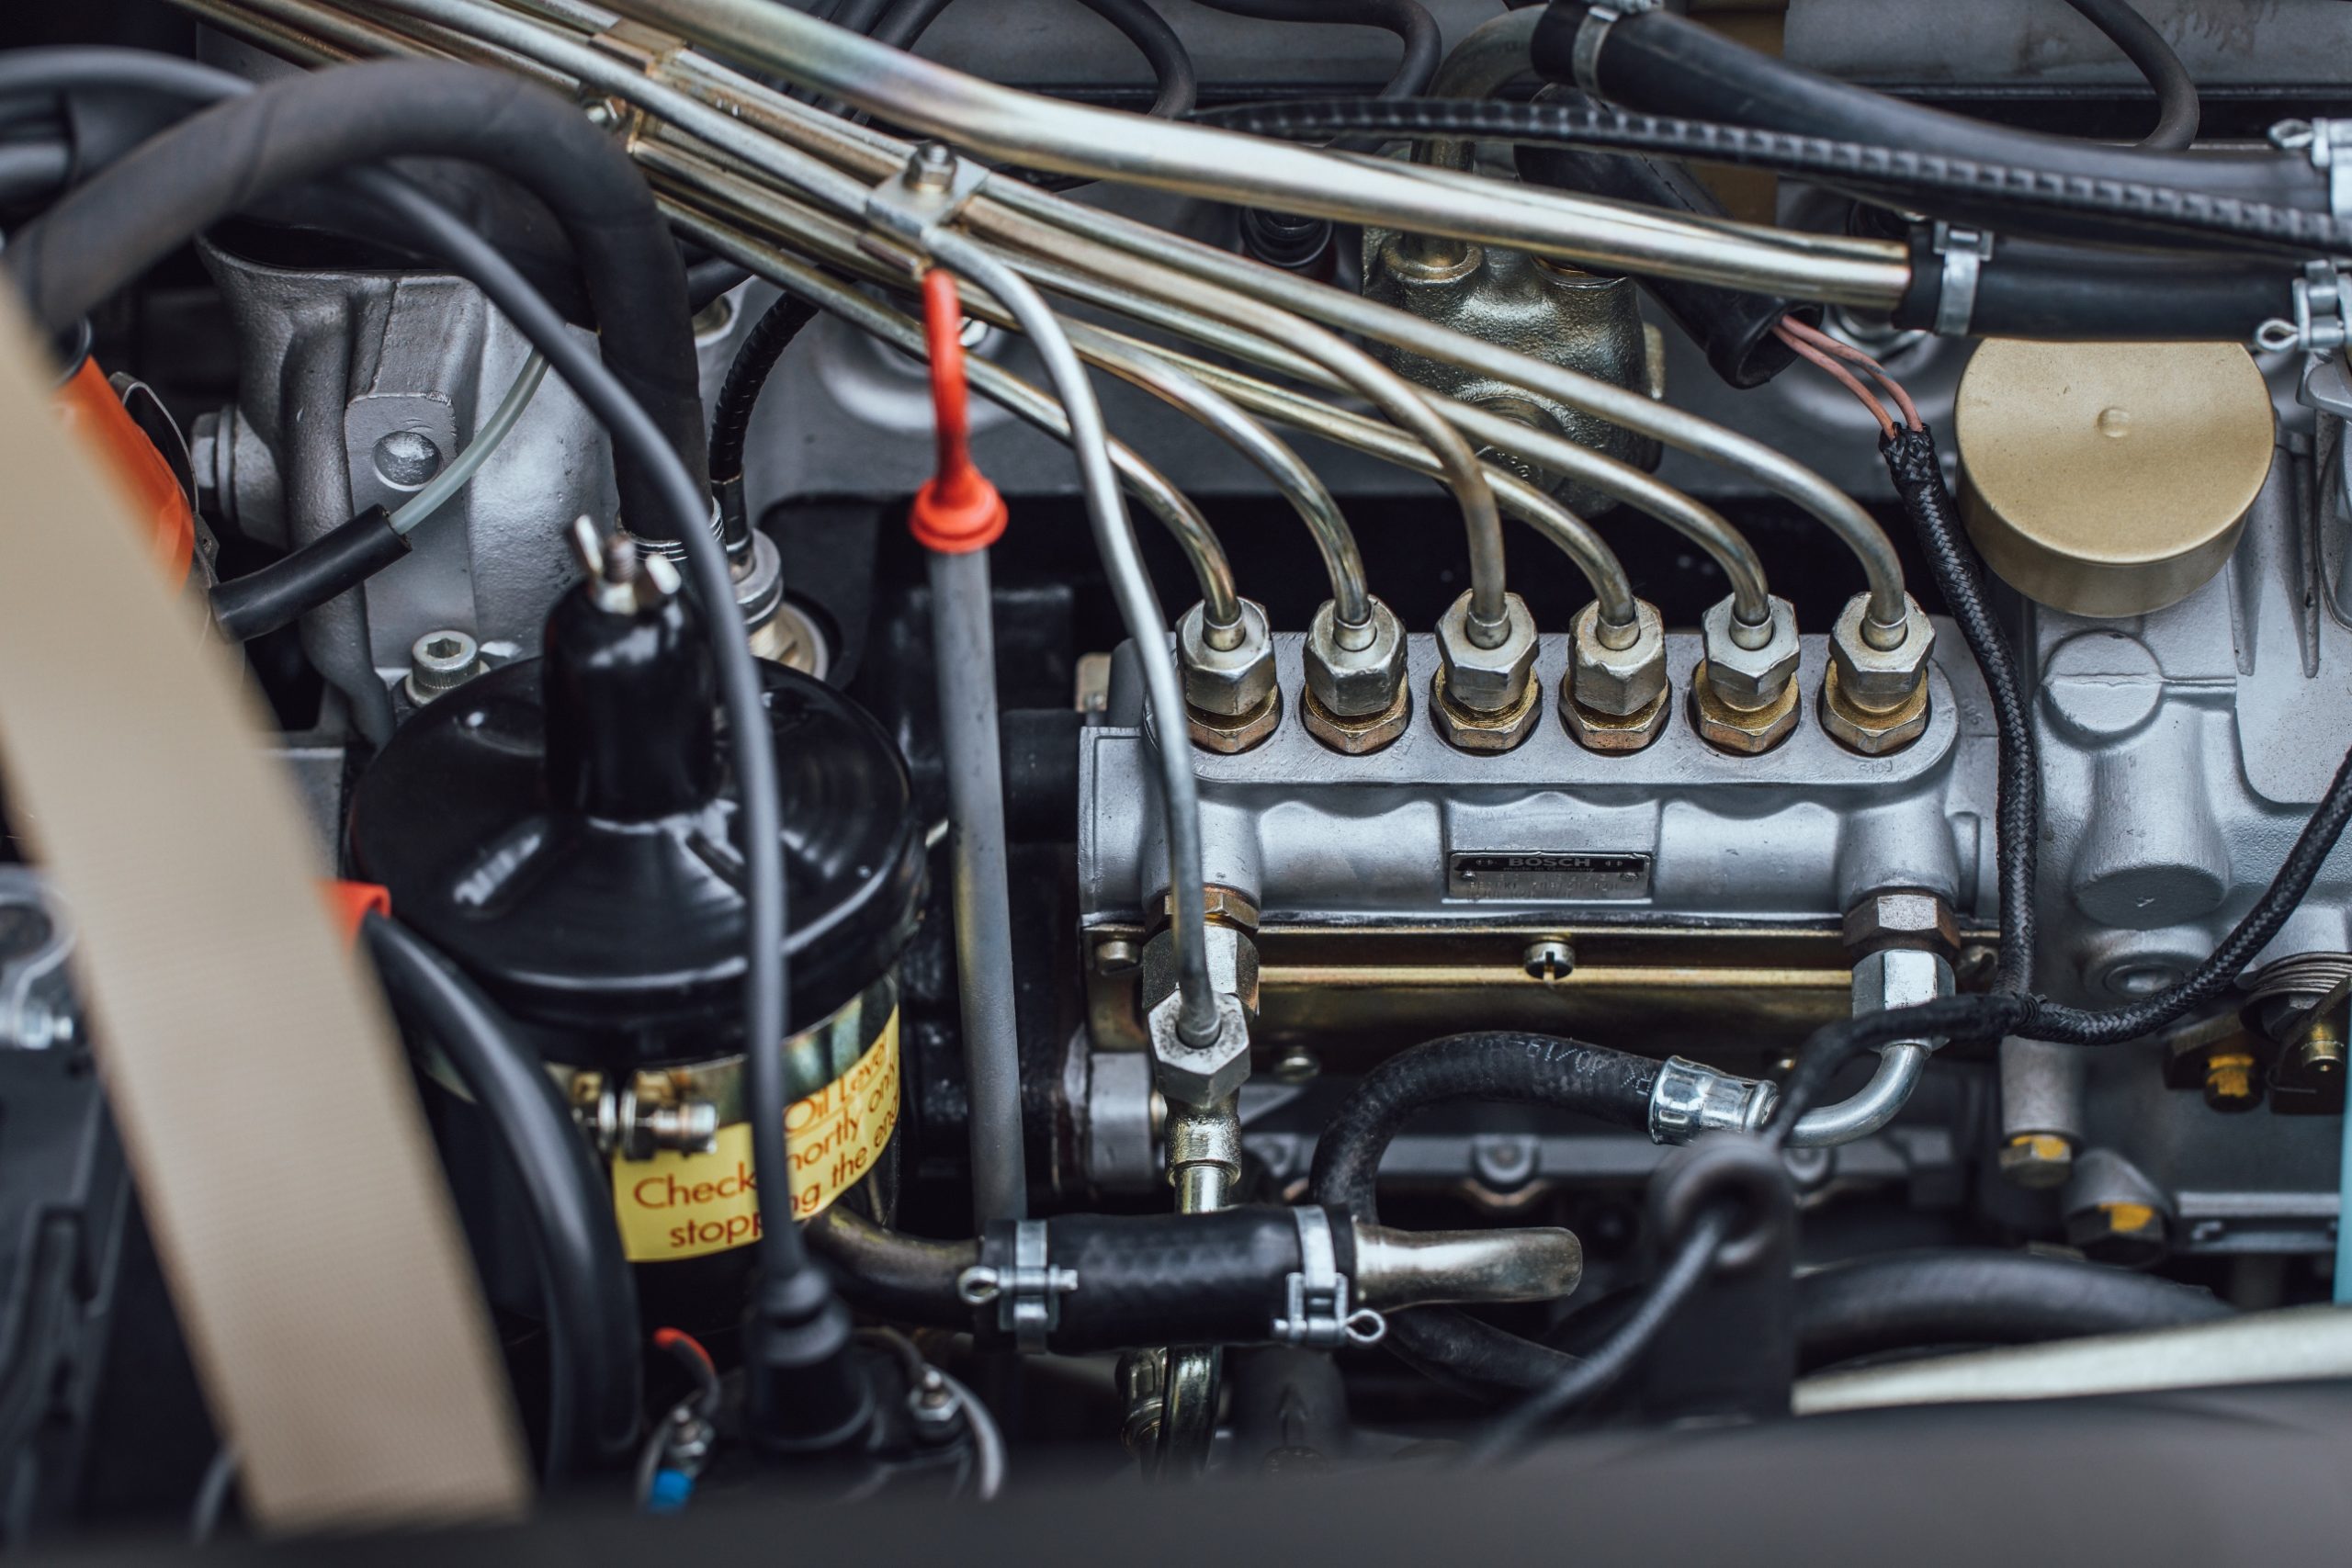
pixel 274 1132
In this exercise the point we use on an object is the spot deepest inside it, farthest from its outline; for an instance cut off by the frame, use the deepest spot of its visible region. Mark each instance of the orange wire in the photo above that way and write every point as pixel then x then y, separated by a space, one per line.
pixel 1845 377
pixel 1847 352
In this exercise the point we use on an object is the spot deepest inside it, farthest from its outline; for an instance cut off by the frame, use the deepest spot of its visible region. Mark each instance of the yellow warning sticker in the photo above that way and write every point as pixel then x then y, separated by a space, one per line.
pixel 679 1205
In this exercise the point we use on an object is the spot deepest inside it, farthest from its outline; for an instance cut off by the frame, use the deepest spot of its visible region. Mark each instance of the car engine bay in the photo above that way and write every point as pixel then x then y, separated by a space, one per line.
pixel 1065 749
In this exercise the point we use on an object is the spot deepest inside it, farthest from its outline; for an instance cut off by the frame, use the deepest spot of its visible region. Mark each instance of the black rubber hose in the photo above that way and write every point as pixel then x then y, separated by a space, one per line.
pixel 1501 1067
pixel 905 1278
pixel 110 231
pixel 1907 1301
pixel 1412 24
pixel 1919 477
pixel 2176 108
pixel 593 1332
pixel 2126 207
pixel 2038 288
pixel 32 169
pixel 730 417
pixel 1172 72
pixel 1669 64
pixel 291 587
pixel 1734 329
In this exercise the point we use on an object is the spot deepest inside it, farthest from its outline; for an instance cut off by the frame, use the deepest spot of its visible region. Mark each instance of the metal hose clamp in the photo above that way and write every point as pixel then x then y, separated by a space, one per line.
pixel 1318 1317
pixel 1965 254
pixel 1028 1296
pixel 1584 56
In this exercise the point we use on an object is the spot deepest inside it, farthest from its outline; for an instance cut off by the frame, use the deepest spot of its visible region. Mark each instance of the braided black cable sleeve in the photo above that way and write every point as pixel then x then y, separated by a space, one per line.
pixel 1918 477
pixel 756 359
pixel 2178 110
pixel 2117 197
pixel 1498 1066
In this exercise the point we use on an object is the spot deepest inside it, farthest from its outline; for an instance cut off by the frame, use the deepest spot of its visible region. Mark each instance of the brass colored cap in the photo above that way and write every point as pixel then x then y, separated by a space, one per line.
pixel 2110 478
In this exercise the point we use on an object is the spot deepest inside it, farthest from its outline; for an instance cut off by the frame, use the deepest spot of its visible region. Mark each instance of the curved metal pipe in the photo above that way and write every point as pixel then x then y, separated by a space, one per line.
pixel 1074 138
pixel 1587 394
pixel 1298 484
pixel 1900 1068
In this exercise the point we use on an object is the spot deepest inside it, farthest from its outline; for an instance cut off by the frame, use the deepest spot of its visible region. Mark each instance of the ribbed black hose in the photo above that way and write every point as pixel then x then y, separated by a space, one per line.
pixel 592 1346
pixel 2176 108
pixel 1919 479
pixel 110 231
pixel 730 417
pixel 1500 1067
pixel 1908 1301
pixel 2139 203
pixel 1668 64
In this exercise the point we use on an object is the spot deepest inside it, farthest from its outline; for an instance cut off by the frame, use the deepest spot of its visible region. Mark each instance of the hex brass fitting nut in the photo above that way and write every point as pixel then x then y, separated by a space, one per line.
pixel 1227 682
pixel 1874 701
pixel 1615 732
pixel 1620 681
pixel 1491 680
pixel 1483 730
pixel 1748 732
pixel 1866 730
pixel 1354 683
pixel 1228 735
pixel 1357 737
pixel 1881 679
pixel 1750 678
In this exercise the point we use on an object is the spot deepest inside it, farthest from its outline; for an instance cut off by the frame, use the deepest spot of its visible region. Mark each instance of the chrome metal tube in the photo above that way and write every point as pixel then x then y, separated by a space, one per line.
pixel 1298 484
pixel 964 653
pixel 1074 138
pixel 1197 1020
pixel 1900 1068
pixel 1587 394
pixel 1212 573
pixel 1407 1268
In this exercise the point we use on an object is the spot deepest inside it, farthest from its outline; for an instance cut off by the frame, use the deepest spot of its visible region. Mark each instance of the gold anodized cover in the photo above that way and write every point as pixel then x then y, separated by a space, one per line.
pixel 2110 478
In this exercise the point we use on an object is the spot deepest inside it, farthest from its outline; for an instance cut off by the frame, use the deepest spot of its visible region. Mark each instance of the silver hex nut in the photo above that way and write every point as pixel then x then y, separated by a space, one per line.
pixel 1355 683
pixel 1617 681
pixel 1880 679
pixel 1199 1074
pixel 1898 978
pixel 1227 682
pixel 1750 677
pixel 1487 680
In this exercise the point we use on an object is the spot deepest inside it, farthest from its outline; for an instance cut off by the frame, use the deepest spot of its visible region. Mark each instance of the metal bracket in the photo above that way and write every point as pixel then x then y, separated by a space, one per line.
pixel 1965 254
pixel 1028 1296
pixel 1584 56
pixel 930 191
pixel 1318 1316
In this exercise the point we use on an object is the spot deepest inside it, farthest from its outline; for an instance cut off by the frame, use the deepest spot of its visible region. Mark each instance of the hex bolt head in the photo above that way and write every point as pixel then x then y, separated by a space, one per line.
pixel 1355 683
pixel 1749 678
pixel 1199 1074
pixel 2231 1082
pixel 1903 917
pixel 1487 680
pixel 2126 1233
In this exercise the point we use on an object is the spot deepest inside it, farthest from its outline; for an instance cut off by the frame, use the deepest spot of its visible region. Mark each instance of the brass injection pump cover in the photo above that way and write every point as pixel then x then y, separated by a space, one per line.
pixel 2110 478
